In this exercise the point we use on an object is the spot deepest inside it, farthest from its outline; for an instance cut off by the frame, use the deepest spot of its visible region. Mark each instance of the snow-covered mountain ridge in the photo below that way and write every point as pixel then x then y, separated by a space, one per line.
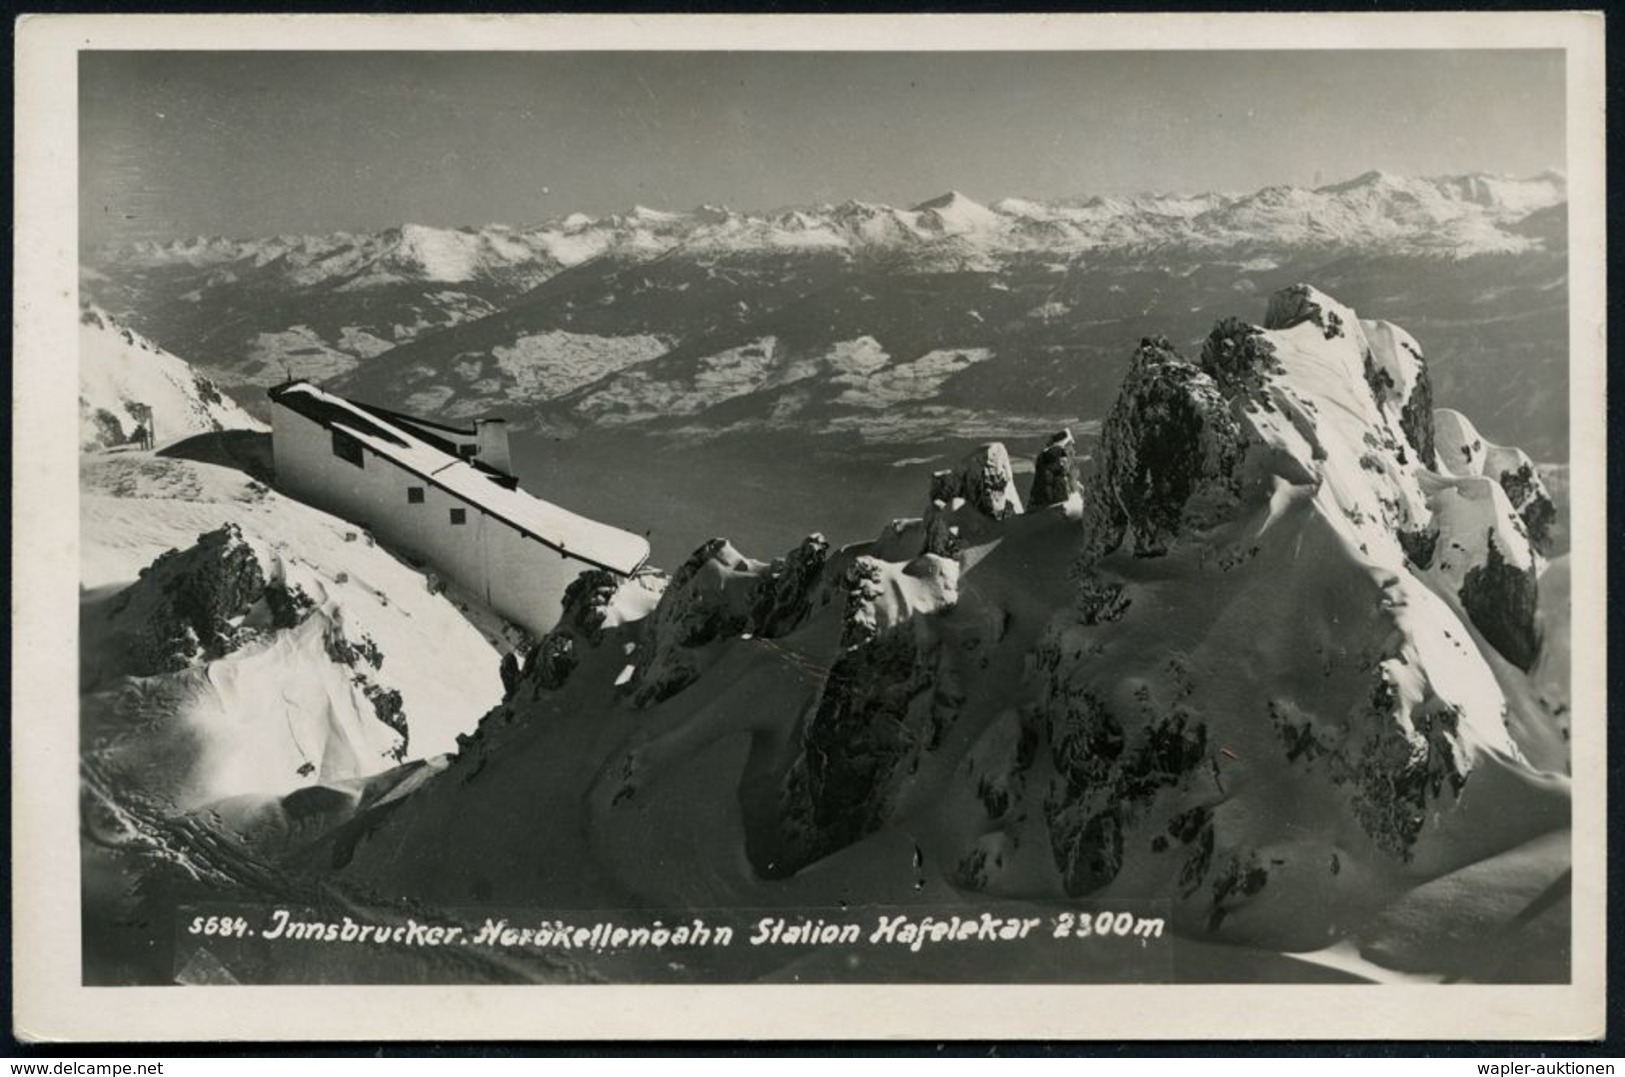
pixel 1451 215
pixel 1265 655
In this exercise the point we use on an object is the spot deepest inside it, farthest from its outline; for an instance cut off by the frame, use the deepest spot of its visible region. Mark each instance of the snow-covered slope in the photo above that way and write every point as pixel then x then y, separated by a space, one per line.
pixel 238 642
pixel 1230 674
pixel 120 372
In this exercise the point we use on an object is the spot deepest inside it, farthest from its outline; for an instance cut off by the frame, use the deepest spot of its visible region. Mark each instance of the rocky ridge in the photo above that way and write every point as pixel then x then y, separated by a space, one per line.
pixel 1264 662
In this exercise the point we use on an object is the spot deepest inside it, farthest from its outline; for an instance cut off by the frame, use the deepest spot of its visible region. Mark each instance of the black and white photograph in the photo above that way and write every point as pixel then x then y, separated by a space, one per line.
pixel 696 514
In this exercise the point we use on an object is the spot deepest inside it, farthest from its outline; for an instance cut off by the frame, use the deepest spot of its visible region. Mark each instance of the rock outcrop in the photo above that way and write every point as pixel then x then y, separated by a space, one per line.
pixel 549 662
pixel 966 503
pixel 1486 551
pixel 983 480
pixel 1169 446
pixel 874 713
pixel 189 606
pixel 1503 601
pixel 942 532
pixel 238 666
pixel 889 698
pixel 1055 472
pixel 989 484
pixel 720 594
pixel 1299 303
pixel 1238 356
pixel 1108 773
pixel 784 597
pixel 195 606
pixel 1397 374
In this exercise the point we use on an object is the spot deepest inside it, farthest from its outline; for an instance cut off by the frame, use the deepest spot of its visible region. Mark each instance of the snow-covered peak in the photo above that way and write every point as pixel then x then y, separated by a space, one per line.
pixel 439 254
pixel 713 214
pixel 955 214
pixel 1375 178
pixel 1020 207
pixel 656 216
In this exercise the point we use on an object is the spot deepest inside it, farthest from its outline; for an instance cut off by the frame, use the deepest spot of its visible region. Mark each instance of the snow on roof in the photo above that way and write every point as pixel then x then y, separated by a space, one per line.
pixel 581 538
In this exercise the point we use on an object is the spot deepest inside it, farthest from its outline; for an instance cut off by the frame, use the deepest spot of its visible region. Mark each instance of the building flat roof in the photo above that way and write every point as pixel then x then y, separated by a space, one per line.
pixel 585 540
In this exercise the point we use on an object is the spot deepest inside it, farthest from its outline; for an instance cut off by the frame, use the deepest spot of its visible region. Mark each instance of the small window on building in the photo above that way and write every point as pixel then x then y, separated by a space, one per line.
pixel 467 452
pixel 414 495
pixel 346 447
pixel 459 516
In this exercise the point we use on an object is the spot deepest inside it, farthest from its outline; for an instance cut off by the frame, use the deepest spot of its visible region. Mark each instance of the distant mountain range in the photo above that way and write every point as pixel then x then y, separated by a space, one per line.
pixel 1456 216
pixel 710 322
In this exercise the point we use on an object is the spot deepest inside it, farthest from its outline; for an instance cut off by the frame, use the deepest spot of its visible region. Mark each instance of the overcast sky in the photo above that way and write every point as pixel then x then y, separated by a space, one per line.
pixel 242 144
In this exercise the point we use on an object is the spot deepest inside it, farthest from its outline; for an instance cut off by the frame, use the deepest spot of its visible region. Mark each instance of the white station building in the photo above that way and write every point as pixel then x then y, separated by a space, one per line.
pixel 446 495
